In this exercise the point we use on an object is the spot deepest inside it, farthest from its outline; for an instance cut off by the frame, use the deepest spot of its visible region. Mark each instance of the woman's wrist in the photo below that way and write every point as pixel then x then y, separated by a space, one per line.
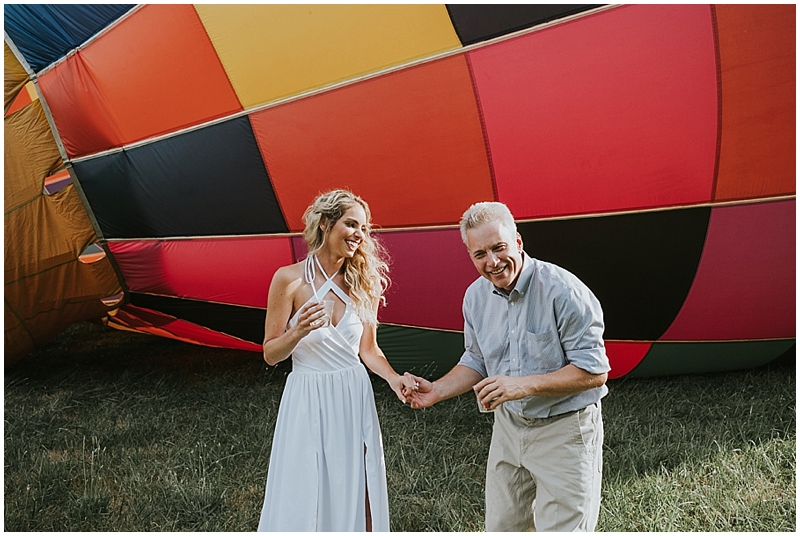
pixel 393 378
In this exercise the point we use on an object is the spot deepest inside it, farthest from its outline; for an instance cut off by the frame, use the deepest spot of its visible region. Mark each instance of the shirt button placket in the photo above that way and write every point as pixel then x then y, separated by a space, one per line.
pixel 514 343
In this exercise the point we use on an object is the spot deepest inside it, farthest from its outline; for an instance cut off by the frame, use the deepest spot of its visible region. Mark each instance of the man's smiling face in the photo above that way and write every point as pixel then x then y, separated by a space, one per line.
pixel 496 252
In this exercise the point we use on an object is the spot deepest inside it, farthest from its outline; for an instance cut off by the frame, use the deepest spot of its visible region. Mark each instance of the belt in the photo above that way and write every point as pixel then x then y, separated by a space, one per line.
pixel 541 421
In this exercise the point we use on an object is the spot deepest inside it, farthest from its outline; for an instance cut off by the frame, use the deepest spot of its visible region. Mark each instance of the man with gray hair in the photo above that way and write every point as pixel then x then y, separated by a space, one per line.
pixel 534 354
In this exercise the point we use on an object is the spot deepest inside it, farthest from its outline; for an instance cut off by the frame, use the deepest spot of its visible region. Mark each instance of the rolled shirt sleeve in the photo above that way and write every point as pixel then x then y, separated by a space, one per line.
pixel 580 328
pixel 472 356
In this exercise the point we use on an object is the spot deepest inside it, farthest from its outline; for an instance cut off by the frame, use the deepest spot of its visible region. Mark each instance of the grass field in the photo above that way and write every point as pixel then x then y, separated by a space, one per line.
pixel 114 431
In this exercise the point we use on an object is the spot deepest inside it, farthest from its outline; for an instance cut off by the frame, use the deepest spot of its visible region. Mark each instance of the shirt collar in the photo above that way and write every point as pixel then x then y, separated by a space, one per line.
pixel 523 281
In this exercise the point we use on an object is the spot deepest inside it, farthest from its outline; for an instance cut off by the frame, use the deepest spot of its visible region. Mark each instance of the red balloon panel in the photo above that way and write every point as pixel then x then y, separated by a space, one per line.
pixel 410 143
pixel 625 355
pixel 757 63
pixel 155 323
pixel 235 271
pixel 153 73
pixel 614 111
pixel 430 271
pixel 745 275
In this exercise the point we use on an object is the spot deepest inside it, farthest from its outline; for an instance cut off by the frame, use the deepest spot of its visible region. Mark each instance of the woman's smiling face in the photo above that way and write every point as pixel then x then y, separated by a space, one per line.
pixel 347 234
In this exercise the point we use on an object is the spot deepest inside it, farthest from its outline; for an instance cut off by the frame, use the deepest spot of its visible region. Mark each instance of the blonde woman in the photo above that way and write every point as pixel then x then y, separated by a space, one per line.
pixel 326 471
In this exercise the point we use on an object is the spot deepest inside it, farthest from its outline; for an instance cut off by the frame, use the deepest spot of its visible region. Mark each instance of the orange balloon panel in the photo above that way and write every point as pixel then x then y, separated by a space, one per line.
pixel 757 62
pixel 156 72
pixel 405 142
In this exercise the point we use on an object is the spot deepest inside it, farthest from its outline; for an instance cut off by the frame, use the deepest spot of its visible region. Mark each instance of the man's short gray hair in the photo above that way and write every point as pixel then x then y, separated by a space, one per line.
pixel 485 212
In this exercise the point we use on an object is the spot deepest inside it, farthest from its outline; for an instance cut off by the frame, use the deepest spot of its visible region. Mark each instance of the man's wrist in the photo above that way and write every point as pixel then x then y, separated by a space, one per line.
pixel 531 385
pixel 436 390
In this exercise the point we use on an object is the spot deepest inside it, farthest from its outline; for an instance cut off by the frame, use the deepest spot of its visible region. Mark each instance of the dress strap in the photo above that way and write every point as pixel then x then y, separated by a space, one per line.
pixel 329 284
pixel 309 274
pixel 321 269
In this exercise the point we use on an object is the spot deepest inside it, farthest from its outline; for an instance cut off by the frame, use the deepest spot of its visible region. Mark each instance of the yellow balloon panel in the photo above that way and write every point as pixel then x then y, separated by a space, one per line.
pixel 31 155
pixel 15 76
pixel 272 52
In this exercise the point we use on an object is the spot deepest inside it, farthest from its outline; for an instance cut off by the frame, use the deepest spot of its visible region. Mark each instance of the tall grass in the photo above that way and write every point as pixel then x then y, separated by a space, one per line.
pixel 106 430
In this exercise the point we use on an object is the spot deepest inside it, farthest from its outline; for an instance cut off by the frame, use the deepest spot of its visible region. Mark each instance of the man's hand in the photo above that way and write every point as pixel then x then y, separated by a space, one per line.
pixel 565 381
pixel 403 386
pixel 495 390
pixel 458 381
pixel 421 396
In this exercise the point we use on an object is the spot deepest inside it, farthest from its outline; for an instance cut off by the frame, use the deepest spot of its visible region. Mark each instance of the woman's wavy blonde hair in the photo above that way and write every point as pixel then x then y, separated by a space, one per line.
pixel 367 272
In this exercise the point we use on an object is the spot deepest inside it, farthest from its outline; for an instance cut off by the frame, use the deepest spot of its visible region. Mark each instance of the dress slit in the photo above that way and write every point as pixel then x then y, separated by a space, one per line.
pixel 366 495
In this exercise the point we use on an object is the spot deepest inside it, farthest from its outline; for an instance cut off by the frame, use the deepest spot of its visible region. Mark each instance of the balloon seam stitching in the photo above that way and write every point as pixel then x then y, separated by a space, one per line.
pixel 718 66
pixel 21 321
pixel 486 146
pixel 24 203
pixel 455 226
pixel 20 57
pixel 91 40
pixel 40 272
pixel 85 201
pixel 424 328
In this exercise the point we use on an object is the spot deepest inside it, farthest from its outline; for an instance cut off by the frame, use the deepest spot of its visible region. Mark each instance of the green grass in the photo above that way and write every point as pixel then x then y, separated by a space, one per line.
pixel 106 430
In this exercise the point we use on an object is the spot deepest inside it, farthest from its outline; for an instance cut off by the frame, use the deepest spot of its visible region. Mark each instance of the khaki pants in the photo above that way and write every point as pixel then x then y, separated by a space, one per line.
pixel 544 474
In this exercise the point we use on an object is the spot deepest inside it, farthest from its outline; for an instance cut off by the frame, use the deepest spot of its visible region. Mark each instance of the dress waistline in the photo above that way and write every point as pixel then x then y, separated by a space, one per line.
pixel 303 369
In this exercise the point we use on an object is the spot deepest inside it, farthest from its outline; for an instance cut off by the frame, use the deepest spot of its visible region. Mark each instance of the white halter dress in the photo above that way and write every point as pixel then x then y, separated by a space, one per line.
pixel 319 473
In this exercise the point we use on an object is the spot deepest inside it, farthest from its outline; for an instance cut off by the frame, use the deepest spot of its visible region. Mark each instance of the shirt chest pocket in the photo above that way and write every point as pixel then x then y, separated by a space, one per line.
pixel 544 353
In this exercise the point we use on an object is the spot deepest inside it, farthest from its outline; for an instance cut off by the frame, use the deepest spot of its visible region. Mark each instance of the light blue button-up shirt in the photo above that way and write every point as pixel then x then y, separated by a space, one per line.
pixel 549 320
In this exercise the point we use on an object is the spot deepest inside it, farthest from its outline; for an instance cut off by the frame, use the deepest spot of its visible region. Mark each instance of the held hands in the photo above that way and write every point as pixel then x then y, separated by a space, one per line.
pixel 403 386
pixel 495 390
pixel 421 395
pixel 491 391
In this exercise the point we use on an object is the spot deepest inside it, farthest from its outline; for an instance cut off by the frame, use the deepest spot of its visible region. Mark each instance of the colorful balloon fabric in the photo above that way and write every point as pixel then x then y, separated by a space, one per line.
pixel 159 159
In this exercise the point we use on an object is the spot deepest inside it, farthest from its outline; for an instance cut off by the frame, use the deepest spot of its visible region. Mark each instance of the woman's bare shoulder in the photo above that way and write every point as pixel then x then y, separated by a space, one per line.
pixel 290 271
pixel 288 278
pixel 289 275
